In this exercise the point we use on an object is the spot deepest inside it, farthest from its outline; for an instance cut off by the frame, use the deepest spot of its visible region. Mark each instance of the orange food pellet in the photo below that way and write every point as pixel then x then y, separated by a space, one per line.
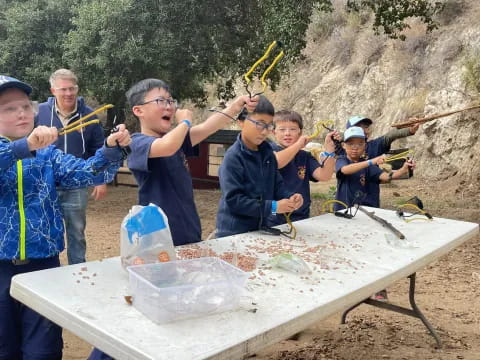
pixel 138 261
pixel 163 256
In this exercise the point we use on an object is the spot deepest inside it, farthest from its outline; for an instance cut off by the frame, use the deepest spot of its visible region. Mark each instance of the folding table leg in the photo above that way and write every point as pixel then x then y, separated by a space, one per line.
pixel 414 312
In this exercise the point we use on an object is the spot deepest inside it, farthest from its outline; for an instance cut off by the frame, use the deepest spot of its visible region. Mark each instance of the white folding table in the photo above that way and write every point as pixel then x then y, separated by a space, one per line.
pixel 350 259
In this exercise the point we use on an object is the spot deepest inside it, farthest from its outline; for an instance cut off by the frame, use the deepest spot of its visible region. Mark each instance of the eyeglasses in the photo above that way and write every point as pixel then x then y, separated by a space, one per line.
pixel 11 110
pixel 355 146
pixel 291 130
pixel 72 89
pixel 261 125
pixel 162 102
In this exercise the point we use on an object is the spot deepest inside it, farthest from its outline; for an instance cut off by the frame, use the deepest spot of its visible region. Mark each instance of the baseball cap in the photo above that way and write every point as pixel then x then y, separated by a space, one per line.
pixel 7 82
pixel 354 120
pixel 353 132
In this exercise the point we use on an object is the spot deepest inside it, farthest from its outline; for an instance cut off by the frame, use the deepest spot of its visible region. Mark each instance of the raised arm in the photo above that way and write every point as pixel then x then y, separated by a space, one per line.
pixel 288 154
pixel 169 144
pixel 325 173
pixel 356 167
pixel 218 121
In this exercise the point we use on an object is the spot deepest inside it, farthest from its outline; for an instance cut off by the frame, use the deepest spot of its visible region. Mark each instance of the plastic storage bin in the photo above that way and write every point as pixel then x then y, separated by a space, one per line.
pixel 183 289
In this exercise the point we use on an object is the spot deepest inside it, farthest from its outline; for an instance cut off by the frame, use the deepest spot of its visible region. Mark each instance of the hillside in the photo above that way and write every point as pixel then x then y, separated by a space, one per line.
pixel 348 70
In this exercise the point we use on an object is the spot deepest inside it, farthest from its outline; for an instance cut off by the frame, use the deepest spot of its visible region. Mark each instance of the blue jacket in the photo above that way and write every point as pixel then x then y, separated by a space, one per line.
pixel 80 144
pixel 249 181
pixel 31 225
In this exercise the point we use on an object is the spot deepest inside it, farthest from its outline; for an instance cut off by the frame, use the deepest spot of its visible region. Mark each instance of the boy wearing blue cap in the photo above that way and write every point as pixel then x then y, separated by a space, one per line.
pixel 252 187
pixel 377 146
pixel 354 174
pixel 31 224
pixel 381 144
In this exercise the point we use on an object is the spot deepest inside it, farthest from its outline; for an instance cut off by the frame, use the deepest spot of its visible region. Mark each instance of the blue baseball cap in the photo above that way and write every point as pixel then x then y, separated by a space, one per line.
pixel 354 120
pixel 353 132
pixel 7 82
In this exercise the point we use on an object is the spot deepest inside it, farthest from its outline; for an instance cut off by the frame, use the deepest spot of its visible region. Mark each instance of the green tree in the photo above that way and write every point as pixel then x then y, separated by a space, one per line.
pixel 31 37
pixel 391 15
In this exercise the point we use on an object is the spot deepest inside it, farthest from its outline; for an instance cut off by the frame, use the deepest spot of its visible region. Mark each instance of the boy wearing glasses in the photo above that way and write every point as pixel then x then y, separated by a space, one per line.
pixel 378 146
pixel 355 174
pixel 158 158
pixel 31 225
pixel 63 108
pixel 298 167
pixel 252 187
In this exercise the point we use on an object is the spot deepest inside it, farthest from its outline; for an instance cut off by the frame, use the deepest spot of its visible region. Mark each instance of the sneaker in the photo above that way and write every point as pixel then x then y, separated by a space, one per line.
pixel 381 296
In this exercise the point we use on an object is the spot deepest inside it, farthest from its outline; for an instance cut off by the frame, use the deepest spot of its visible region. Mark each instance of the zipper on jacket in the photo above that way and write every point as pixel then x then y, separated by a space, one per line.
pixel 21 210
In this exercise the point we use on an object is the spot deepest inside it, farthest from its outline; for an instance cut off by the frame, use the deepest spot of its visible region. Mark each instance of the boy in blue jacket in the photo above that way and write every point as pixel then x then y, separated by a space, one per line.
pixel 252 187
pixel 31 224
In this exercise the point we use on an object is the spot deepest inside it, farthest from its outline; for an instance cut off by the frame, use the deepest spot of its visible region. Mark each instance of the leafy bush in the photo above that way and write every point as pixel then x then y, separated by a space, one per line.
pixel 472 71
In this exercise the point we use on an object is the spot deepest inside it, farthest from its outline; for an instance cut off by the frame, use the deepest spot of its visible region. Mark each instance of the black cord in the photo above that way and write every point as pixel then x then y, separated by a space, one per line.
pixel 221 112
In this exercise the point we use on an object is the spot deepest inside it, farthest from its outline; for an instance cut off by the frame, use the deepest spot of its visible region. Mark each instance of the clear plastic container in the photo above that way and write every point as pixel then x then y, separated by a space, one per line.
pixel 182 289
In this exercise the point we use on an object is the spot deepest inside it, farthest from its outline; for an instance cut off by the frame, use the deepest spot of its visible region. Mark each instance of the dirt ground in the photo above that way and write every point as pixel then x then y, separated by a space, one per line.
pixel 448 291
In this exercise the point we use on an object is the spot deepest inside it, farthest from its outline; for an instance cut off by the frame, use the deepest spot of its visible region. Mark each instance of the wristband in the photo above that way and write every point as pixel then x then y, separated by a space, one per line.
pixel 328 154
pixel 370 162
pixel 274 207
pixel 189 124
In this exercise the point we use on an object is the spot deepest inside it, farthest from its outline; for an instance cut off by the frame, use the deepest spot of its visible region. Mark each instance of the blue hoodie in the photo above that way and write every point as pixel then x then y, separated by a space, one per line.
pixel 31 222
pixel 249 180
pixel 80 144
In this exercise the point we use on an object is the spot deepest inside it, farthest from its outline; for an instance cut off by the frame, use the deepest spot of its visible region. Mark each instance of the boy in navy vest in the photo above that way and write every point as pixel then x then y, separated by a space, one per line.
pixel 298 167
pixel 377 146
pixel 355 175
pixel 252 187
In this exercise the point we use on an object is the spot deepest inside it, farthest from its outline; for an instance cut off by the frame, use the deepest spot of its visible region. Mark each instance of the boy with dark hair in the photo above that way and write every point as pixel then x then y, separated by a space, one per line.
pixel 298 167
pixel 158 153
pixel 31 224
pixel 252 187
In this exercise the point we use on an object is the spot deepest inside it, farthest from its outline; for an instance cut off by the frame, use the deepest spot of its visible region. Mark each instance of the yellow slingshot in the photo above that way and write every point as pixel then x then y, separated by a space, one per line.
pixel 418 210
pixel 265 73
pixel 399 156
pixel 292 232
pixel 320 126
pixel 78 124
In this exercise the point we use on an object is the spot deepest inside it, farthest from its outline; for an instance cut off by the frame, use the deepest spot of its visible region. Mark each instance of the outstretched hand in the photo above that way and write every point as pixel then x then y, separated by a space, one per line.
pixel 120 137
pixel 41 137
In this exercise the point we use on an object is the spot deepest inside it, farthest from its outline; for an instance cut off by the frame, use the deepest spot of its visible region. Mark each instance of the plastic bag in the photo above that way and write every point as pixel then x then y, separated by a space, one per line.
pixel 145 237
pixel 290 262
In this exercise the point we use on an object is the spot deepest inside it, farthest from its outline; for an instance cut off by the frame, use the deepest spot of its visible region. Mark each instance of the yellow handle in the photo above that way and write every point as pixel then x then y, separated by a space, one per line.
pixel 319 127
pixel 100 109
pixel 68 130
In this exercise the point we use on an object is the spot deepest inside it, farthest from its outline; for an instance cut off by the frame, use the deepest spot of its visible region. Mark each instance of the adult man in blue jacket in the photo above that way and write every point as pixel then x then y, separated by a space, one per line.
pixel 63 108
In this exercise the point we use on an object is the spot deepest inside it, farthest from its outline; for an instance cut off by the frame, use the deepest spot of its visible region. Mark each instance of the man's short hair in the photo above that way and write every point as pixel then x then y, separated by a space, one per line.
pixel 288 115
pixel 136 94
pixel 64 74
